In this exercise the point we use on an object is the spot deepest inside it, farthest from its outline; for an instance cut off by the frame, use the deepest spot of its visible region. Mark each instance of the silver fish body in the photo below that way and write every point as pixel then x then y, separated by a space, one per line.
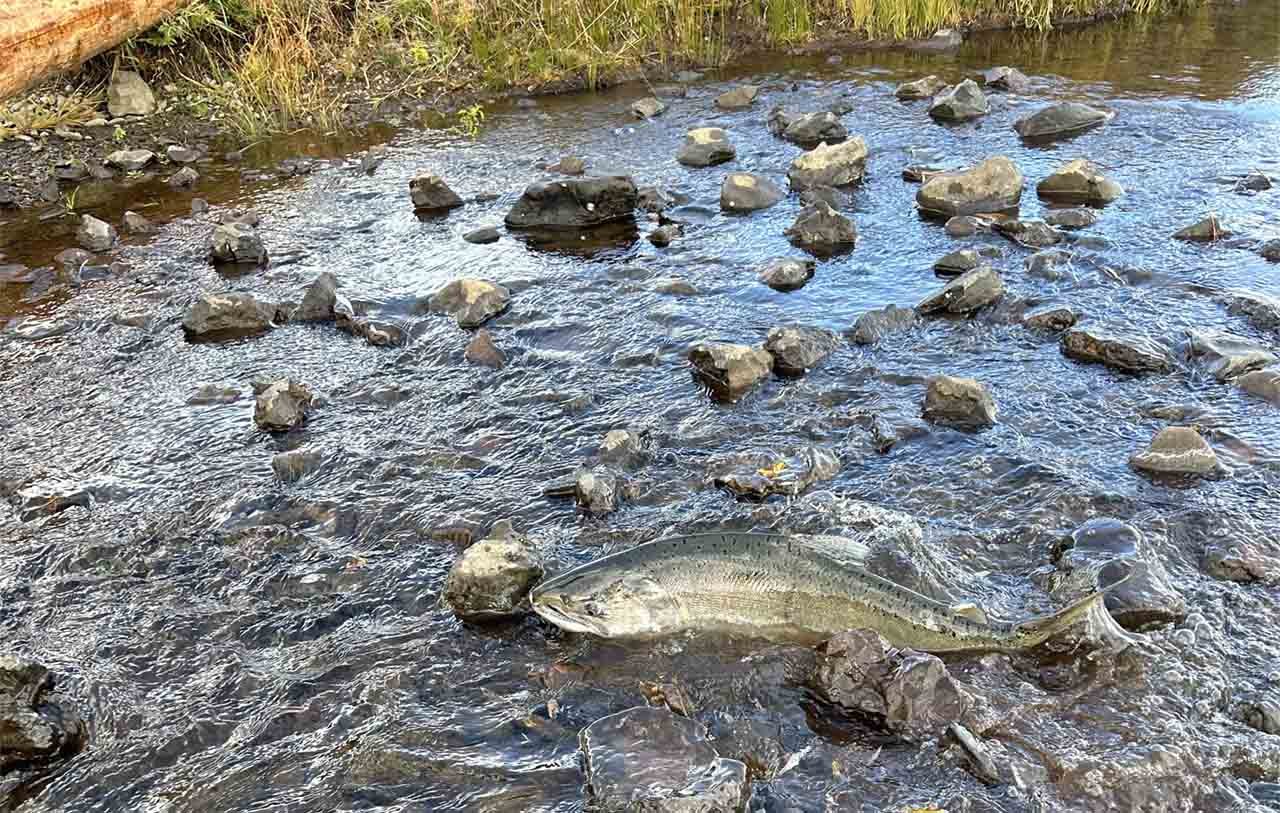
pixel 771 586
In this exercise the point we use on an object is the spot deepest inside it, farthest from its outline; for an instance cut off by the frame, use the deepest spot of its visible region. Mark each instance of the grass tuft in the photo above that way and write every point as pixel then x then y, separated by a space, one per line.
pixel 33 114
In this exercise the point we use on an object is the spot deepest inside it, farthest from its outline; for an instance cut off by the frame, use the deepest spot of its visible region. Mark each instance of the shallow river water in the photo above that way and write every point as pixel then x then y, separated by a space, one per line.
pixel 239 643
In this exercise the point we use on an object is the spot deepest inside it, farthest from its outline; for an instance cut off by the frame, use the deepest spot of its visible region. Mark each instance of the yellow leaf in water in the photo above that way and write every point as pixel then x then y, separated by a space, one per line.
pixel 929 809
pixel 774 470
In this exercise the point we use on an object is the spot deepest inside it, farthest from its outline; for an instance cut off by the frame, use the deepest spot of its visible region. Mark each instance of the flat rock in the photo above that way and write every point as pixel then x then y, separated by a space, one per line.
pixel 295 464
pixel 1177 450
pixel 210 394
pixel 960 402
pixel 648 108
pixel 491 579
pixel 1056 318
pixel 1120 351
pixel 1061 120
pixel 745 192
pixel 430 193
pixel 237 242
pixel 706 146
pixel 283 405
pixel 829 165
pixel 924 88
pixel 787 274
pixel 179 154
pixel 1203 231
pixel 1079 182
pixel 129 95
pixel 1262 383
pixel 1077 218
pixel 963 102
pixel 822 231
pixel 652 760
pixel 995 185
pixel 483 235
pixel 796 350
pixel 738 98
pixel 957 263
pixel 874 325
pixel 215 316
pixel 130 160
pixel 966 293
pixel 575 204
pixel 96 235
pixel 1101 551
pixel 730 370
pixel 471 302
pixel 1226 355
pixel 1006 78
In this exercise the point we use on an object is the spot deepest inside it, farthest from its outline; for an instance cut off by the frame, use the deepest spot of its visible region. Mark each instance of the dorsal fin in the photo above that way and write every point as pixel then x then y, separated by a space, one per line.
pixel 841 548
pixel 969 610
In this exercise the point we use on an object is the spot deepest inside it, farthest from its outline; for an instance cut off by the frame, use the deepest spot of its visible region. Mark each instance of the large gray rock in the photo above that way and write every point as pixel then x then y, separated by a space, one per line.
pixel 1262 383
pixel 491 579
pixel 995 185
pixel 925 88
pixel 129 95
pixel 787 274
pixel 829 165
pixel 961 402
pixel 1206 230
pixel 742 96
pixel 471 302
pixel 95 234
pixel 745 192
pixel 966 293
pixel 910 693
pixel 1079 182
pixel 1225 355
pixel 1177 450
pixel 730 370
pixel 874 325
pixel 1120 351
pixel 706 146
pixel 430 193
pixel 963 102
pixel 282 405
pixel 822 231
pixel 1006 78
pixel 796 350
pixel 131 160
pixel 650 760
pixel 808 129
pixel 37 724
pixel 224 315
pixel 1061 120
pixel 237 242
pixel 575 204
pixel 1103 550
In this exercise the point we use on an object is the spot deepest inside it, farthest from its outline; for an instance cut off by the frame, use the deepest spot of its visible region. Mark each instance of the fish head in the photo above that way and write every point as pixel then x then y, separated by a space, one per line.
pixel 607 603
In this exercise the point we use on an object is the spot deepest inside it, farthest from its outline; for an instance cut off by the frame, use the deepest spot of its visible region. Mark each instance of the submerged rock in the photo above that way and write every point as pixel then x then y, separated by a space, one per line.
pixel 966 226
pixel 829 165
pixel 663 236
pixel 652 760
pixel 730 370
pixel 924 88
pixel 822 231
pixel 1262 383
pixel 1177 450
pixel 961 402
pixel 430 193
pixel 1262 311
pixel 37 724
pixel 623 447
pixel 1030 233
pixel 963 102
pixel 483 235
pixel 1079 182
pixel 1203 231
pixel 1238 563
pixel 237 242
pixel 762 475
pixel 1254 182
pixel 738 98
pixel 207 394
pixel 95 234
pixel 648 108
pixel 1050 265
pixel 786 274
pixel 1061 120
pixel 295 464
pixel 796 350
pixel 910 693
pixel 1103 550
pixel 966 293
pixel 128 94
pixel 874 325
pixel 483 351
pixel 1006 78
pixel 745 192
pixel 575 204
pixel 706 146
pixel 491 579
pixel 1078 218
pixel 471 302
pixel 282 406
pixel 995 185
pixel 1120 351
pixel 226 315
pixel 823 194
pixel 1226 356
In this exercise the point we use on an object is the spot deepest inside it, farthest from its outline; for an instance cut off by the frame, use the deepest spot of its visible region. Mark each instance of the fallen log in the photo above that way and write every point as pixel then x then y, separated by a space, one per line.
pixel 39 38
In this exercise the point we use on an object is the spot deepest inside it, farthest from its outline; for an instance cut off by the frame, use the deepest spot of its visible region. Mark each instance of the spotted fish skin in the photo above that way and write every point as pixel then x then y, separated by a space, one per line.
pixel 773 586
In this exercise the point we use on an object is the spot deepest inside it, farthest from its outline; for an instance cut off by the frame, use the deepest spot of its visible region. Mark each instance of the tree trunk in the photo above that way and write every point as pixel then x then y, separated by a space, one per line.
pixel 39 38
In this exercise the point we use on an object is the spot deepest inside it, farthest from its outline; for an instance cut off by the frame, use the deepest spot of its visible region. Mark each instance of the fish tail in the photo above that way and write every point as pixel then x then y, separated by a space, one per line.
pixel 1038 630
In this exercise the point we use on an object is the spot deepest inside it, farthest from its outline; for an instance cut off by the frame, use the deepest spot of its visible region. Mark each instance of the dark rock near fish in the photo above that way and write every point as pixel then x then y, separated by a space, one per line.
pixel 1061 120
pixel 1204 231
pixel 967 293
pixel 38 725
pixel 738 98
pixel 483 351
pixel 787 274
pixel 282 406
pixel 995 185
pixel 491 579
pixel 705 147
pixel 1071 218
pixel 575 204
pixel 96 235
pixel 1006 78
pixel 1079 182
pixel 959 402
pixel 822 231
pixel 237 243
pixel 1177 450
pixel 1101 551
pixel 796 350
pixel 874 325
pixel 1120 351
pixel 430 193
pixel 963 102
pixel 471 302
pixel 650 760
pixel 730 370
pixel 745 192
pixel 924 88
pixel 1226 356
pixel 215 316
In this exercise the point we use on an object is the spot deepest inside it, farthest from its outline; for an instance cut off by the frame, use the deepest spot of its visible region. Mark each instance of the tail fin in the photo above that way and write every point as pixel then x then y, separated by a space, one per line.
pixel 1092 607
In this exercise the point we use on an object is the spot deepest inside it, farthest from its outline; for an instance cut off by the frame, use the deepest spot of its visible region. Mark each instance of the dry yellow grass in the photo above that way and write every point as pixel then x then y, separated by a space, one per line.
pixel 47 112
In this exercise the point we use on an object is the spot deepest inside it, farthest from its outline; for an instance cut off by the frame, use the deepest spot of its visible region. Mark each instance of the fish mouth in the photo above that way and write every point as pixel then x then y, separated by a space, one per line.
pixel 551 607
